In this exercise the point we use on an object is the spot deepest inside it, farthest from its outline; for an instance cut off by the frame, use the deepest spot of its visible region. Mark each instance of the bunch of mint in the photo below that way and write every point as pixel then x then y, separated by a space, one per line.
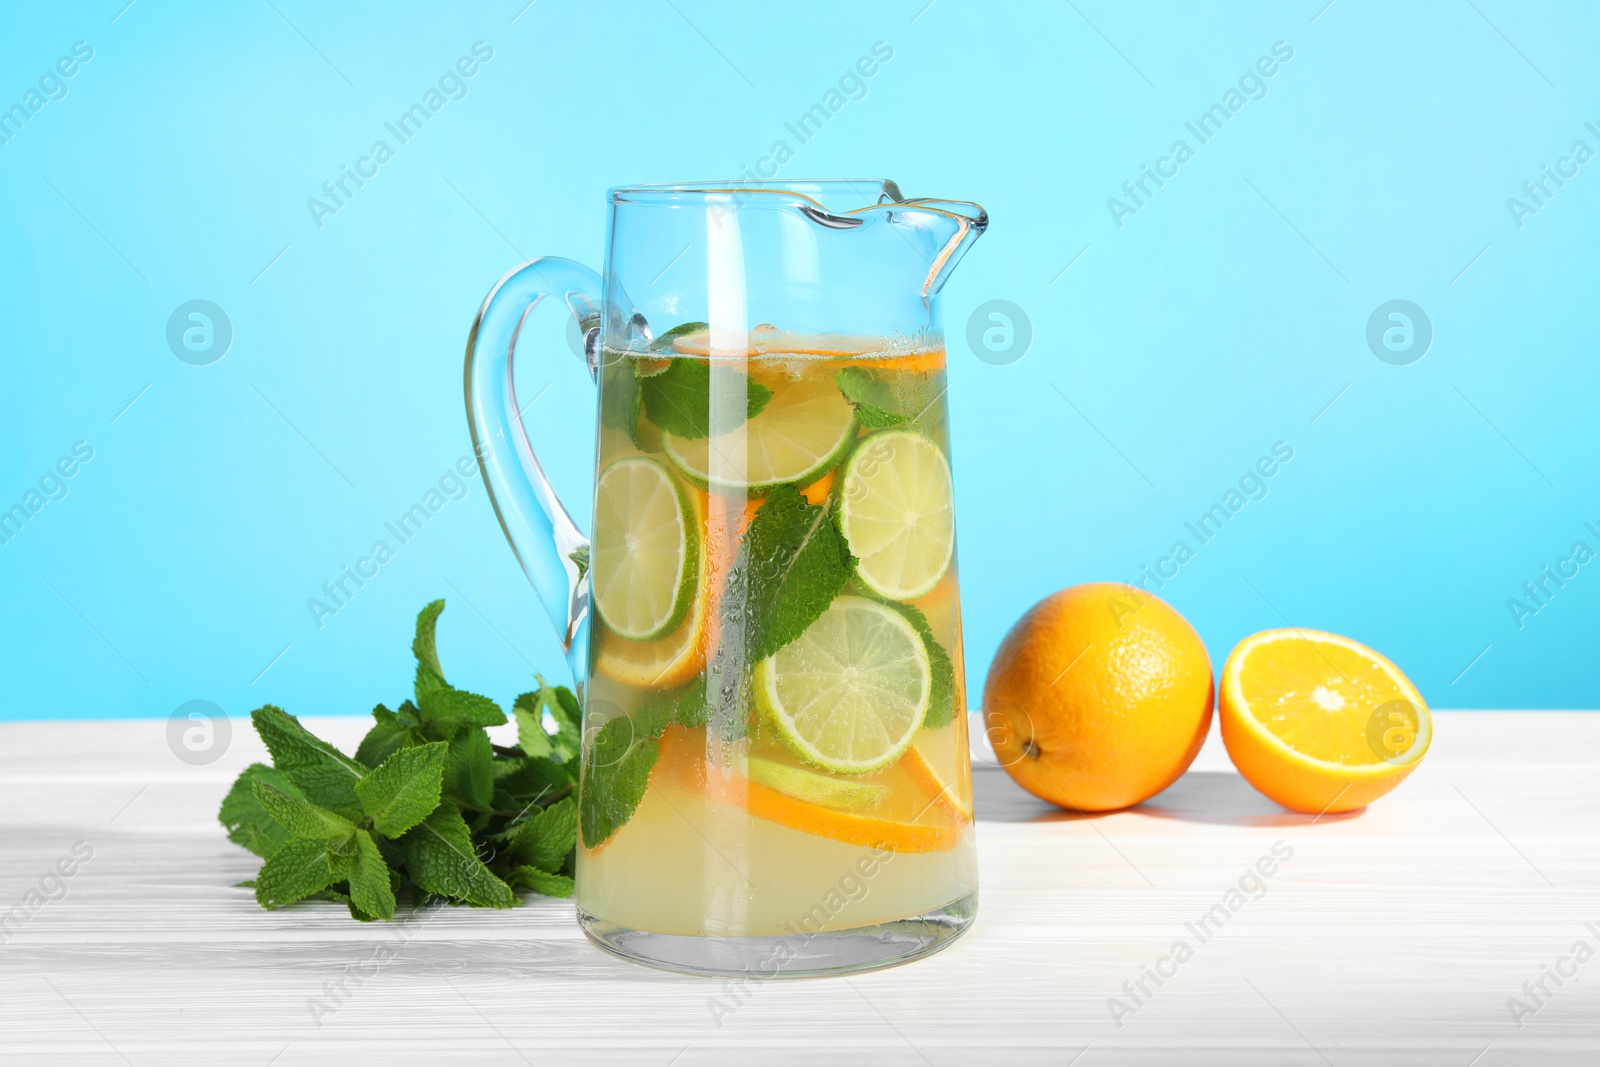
pixel 428 806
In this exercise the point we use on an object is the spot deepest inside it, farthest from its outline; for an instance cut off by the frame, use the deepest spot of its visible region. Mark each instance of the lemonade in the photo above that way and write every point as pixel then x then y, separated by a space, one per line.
pixel 775 708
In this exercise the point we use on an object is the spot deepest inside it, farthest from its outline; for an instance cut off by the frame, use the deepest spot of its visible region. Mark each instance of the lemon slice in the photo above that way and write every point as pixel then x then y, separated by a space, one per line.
pixel 802 432
pixel 646 549
pixel 897 514
pixel 849 694
pixel 1318 722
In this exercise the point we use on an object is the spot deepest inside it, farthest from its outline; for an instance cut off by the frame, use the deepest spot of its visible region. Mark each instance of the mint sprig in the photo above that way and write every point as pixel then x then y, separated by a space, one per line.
pixel 427 807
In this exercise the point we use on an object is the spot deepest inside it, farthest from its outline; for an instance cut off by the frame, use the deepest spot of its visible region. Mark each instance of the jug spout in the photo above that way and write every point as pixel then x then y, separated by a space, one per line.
pixel 948 227
pixel 940 230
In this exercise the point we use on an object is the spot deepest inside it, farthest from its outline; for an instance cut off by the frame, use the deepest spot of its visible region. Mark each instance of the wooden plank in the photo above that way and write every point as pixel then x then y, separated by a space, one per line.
pixel 1393 936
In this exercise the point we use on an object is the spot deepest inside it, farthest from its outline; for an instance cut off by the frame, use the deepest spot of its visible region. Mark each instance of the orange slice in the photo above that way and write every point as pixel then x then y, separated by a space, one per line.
pixel 665 662
pixel 913 363
pixel 948 795
pixel 936 831
pixel 1318 722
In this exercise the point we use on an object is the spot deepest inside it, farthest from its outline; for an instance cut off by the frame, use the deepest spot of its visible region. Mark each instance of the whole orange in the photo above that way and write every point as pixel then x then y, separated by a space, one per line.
pixel 1099 697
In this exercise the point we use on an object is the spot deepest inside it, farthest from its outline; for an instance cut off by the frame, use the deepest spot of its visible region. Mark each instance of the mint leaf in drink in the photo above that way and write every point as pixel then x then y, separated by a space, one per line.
pixel 441 858
pixel 789 567
pixel 423 645
pixel 456 707
pixel 390 733
pixel 469 774
pixel 664 342
pixel 247 822
pixel 325 775
pixel 302 818
pixel 298 870
pixel 678 400
pixel 403 789
pixel 544 839
pixel 869 396
pixel 370 889
pixel 884 400
pixel 551 885
pixel 615 775
pixel 620 396
pixel 941 702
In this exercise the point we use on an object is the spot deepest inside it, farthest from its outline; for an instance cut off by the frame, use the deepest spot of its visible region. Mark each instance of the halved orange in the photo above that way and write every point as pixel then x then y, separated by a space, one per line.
pixel 1318 722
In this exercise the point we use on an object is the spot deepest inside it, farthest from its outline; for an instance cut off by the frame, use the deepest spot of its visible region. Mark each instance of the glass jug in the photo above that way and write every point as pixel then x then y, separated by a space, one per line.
pixel 764 624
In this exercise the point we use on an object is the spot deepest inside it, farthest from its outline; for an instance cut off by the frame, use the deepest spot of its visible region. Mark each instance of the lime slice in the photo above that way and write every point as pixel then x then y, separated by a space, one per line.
pixel 897 514
pixel 646 549
pixel 814 788
pixel 849 694
pixel 801 433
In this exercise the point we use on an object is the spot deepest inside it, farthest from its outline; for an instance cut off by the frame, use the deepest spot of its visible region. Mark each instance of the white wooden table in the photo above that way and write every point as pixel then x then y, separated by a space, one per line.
pixel 1393 936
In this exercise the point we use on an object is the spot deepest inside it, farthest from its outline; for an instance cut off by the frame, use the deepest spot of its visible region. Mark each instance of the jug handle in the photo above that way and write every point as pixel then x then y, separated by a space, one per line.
pixel 547 543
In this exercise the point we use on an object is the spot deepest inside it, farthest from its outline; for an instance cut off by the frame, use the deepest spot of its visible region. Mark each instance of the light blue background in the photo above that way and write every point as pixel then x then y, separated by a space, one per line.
pixel 1222 318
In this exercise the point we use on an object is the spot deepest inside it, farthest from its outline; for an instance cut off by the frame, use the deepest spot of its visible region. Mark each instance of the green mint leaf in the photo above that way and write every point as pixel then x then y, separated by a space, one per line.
pixel 370 891
pixel 678 400
pixel 247 822
pixel 427 683
pixel 544 839
pixel 403 789
pixel 620 396
pixel 869 396
pixel 300 817
pixel 469 771
pixel 664 342
pixel 457 707
pixel 423 645
pixel 551 885
pixel 615 775
pixel 685 705
pixel 441 858
pixel 531 735
pixel 325 775
pixel 941 705
pixel 389 734
pixel 299 869
pixel 529 781
pixel 564 711
pixel 790 565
